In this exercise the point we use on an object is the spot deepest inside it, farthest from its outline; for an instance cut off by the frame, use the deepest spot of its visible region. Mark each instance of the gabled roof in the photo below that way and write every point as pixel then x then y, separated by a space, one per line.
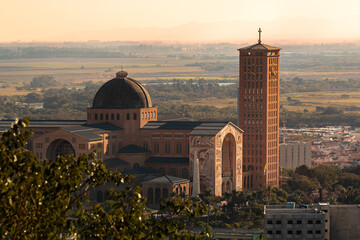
pixel 133 149
pixel 5 124
pixel 167 160
pixel 114 162
pixel 90 132
pixel 198 128
pixel 259 46
pixel 168 180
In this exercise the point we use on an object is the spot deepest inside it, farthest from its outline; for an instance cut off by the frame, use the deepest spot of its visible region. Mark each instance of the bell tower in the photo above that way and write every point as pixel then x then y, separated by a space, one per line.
pixel 258 113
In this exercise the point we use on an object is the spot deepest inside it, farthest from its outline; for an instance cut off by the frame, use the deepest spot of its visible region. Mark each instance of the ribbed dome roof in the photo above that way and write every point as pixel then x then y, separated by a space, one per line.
pixel 122 93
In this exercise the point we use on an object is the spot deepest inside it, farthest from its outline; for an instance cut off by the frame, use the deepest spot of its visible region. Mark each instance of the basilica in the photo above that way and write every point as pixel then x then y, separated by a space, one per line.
pixel 166 156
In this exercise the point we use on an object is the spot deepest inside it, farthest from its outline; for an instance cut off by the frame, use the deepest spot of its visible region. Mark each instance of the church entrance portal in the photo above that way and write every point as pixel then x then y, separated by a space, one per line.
pixel 228 162
pixel 59 147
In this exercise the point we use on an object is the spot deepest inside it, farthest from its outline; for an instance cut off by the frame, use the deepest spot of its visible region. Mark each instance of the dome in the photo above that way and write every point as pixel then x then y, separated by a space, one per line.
pixel 122 93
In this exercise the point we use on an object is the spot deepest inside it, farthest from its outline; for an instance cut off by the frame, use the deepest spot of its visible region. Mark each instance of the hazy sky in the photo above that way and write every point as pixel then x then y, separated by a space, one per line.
pixel 58 20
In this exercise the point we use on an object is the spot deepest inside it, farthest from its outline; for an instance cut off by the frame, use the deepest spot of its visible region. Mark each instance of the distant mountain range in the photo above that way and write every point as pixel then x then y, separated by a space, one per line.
pixel 295 30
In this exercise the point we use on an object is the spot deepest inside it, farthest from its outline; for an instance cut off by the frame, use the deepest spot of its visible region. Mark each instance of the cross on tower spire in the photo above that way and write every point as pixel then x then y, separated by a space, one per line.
pixel 259 35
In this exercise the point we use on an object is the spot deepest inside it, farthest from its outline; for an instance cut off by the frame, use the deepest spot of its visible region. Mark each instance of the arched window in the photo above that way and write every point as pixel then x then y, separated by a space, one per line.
pixel 117 116
pixel 165 193
pixel 150 196
pixel 134 116
pixel 157 195
pixel 96 116
pixel 128 116
pixel 142 116
pixel 154 114
pixel 107 116
pixel 112 116
pixel 101 116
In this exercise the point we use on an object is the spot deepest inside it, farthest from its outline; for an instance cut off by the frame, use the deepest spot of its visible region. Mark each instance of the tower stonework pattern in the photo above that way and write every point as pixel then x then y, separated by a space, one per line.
pixel 258 113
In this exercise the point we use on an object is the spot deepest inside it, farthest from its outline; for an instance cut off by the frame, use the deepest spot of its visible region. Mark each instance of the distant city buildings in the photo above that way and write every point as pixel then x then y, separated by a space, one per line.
pixel 333 145
pixel 295 154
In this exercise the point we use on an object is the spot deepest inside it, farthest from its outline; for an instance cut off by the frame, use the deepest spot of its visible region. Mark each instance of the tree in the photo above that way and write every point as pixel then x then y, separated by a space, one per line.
pixel 43 81
pixel 33 98
pixel 44 200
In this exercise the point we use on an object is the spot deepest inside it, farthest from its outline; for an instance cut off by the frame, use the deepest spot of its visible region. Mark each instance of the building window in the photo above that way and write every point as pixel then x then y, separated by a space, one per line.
pixel 150 196
pixel 119 146
pixel 134 116
pixel 154 114
pixel 178 147
pixel 107 150
pixel 278 232
pixel 96 116
pixel 310 221
pixel 142 116
pixel 73 140
pixel 118 116
pixel 289 232
pixel 269 222
pixel 318 221
pixel 128 116
pixel 38 145
pixel 318 232
pixel 156 147
pixel 310 232
pixel 298 232
pixel 107 117
pixel 167 147
pixel 165 193
pixel 47 139
pixel 184 173
pixel 145 145
pixel 101 116
pixel 81 146
pixel 113 149
pixel 112 116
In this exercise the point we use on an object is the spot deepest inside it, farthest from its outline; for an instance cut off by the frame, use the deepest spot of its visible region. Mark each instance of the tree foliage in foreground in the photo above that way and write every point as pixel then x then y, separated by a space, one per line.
pixel 45 200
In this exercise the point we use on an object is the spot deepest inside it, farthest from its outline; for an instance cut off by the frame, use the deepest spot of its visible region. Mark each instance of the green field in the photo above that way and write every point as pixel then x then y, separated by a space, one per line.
pixel 72 72
pixel 309 100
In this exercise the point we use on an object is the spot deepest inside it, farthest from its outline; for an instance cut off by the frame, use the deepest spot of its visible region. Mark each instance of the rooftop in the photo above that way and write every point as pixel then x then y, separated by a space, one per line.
pixel 168 180
pixel 260 46
pixel 198 128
